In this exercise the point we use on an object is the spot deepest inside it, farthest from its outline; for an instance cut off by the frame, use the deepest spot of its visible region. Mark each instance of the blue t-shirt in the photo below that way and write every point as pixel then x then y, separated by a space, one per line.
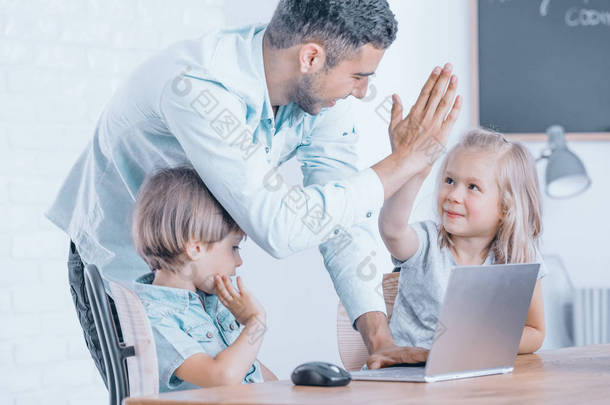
pixel 182 327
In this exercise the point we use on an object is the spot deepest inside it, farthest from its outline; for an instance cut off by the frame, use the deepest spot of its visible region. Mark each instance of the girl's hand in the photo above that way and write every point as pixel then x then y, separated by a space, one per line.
pixel 244 307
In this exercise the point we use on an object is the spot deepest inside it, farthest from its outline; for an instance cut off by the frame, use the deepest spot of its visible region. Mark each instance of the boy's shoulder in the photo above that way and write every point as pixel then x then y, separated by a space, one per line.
pixel 160 302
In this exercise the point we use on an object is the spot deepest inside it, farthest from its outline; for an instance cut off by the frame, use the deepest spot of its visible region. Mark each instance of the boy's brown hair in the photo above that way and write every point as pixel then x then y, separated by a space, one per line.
pixel 173 207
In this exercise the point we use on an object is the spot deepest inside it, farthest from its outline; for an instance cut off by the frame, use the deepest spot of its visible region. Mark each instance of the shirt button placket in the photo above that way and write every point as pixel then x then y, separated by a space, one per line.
pixel 222 332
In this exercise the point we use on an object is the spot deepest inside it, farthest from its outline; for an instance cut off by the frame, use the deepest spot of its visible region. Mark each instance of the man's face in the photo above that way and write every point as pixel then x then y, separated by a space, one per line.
pixel 315 91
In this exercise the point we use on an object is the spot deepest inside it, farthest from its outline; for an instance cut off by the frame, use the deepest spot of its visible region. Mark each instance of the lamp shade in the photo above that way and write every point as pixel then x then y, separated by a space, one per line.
pixel 565 173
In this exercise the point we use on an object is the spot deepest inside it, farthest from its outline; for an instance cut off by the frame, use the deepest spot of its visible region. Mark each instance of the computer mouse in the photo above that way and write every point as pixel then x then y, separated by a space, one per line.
pixel 320 374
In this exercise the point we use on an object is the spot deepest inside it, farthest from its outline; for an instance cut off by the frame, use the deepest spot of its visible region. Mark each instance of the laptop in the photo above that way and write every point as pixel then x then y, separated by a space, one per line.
pixel 479 328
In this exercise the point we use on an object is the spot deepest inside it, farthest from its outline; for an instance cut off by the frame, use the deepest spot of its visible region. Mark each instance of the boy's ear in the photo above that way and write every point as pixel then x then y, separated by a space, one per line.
pixel 194 250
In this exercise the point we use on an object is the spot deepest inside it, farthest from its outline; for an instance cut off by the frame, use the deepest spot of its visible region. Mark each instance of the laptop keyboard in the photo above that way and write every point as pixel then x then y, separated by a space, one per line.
pixel 391 372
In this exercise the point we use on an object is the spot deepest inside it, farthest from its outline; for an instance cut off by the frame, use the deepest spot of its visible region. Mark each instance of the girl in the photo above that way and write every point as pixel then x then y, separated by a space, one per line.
pixel 191 244
pixel 489 212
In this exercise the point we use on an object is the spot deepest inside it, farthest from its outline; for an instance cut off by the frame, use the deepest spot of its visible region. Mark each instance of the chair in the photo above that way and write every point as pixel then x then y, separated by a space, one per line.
pixel 131 364
pixel 352 349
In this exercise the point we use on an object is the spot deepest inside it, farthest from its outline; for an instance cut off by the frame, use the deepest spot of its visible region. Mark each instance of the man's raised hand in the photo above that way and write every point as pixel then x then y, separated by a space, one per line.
pixel 422 135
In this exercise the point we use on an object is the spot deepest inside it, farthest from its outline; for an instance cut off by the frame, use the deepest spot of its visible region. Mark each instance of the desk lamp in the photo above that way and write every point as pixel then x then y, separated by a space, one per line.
pixel 565 174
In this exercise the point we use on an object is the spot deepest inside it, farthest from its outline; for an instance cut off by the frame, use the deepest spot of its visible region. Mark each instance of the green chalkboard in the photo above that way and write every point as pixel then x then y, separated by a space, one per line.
pixel 544 62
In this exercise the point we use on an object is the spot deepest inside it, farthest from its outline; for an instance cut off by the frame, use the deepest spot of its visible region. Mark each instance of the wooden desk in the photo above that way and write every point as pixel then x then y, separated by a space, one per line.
pixel 565 376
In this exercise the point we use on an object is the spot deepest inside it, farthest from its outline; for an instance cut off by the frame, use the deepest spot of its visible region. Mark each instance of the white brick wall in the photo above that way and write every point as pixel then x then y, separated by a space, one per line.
pixel 60 60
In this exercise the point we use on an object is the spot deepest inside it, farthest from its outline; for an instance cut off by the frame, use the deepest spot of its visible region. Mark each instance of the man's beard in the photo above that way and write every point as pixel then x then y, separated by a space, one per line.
pixel 304 95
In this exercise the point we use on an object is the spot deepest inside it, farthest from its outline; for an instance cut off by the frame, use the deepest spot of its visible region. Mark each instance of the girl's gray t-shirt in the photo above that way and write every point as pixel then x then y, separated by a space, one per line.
pixel 421 288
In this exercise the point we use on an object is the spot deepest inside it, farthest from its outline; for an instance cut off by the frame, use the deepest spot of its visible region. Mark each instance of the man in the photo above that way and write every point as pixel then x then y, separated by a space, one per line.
pixel 237 104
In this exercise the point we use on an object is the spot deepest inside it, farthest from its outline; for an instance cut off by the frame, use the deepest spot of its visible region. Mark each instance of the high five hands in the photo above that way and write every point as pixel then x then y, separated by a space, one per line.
pixel 422 135
pixel 419 139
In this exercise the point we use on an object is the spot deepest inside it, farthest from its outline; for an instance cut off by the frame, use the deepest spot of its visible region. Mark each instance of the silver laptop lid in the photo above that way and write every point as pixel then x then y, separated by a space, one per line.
pixel 482 318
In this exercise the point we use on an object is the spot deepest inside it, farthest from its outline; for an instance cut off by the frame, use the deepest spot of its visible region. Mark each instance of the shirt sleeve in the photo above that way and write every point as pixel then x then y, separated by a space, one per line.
pixel 211 125
pixel 427 236
pixel 542 272
pixel 328 156
pixel 173 346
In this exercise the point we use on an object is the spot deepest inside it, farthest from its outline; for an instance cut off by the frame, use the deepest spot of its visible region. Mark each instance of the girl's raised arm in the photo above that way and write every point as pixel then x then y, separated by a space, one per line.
pixel 398 236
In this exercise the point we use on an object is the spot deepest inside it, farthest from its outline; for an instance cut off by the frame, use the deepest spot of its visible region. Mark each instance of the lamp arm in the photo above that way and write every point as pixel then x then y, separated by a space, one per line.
pixel 545 154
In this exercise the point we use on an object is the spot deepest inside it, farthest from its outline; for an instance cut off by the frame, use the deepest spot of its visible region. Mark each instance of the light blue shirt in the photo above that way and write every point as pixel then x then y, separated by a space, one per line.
pixel 184 324
pixel 205 102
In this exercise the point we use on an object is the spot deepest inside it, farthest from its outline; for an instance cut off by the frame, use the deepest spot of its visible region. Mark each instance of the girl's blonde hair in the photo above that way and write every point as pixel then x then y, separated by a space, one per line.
pixel 516 240
pixel 174 207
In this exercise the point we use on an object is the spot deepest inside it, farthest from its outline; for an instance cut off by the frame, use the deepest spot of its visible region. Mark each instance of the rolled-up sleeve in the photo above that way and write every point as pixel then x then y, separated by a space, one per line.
pixel 210 124
pixel 173 347
pixel 329 155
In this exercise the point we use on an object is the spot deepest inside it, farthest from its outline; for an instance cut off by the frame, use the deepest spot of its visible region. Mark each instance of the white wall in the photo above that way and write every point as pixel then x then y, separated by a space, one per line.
pixel 59 62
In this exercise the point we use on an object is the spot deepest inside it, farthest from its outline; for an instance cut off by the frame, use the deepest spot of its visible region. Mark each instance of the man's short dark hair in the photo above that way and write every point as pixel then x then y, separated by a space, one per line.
pixel 340 26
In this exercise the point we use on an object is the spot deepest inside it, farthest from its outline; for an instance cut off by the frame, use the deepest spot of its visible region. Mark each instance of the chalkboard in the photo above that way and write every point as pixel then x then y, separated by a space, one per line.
pixel 543 62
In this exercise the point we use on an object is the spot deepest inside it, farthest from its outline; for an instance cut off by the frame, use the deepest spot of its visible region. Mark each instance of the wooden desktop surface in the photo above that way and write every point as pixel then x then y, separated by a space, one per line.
pixel 564 376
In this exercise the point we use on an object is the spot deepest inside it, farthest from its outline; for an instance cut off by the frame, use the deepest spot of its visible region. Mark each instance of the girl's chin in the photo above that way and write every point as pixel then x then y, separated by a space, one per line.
pixel 451 229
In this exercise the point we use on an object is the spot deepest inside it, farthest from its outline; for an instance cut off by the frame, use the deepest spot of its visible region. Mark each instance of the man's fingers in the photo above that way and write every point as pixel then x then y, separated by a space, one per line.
pixel 452 116
pixel 424 94
pixel 396 114
pixel 424 355
pixel 373 364
pixel 438 91
pixel 399 355
pixel 447 100
pixel 416 355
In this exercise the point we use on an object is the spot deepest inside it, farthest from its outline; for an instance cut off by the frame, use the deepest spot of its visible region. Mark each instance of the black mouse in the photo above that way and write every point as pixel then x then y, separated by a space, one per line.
pixel 320 374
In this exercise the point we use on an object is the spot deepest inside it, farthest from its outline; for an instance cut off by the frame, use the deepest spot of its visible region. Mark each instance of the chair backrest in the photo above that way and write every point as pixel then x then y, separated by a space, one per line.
pixel 102 317
pixel 142 368
pixel 352 349
pixel 131 364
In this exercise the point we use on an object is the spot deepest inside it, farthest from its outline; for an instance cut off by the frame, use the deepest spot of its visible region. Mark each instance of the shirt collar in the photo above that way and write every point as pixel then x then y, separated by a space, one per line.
pixel 175 298
pixel 259 68
pixel 244 74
